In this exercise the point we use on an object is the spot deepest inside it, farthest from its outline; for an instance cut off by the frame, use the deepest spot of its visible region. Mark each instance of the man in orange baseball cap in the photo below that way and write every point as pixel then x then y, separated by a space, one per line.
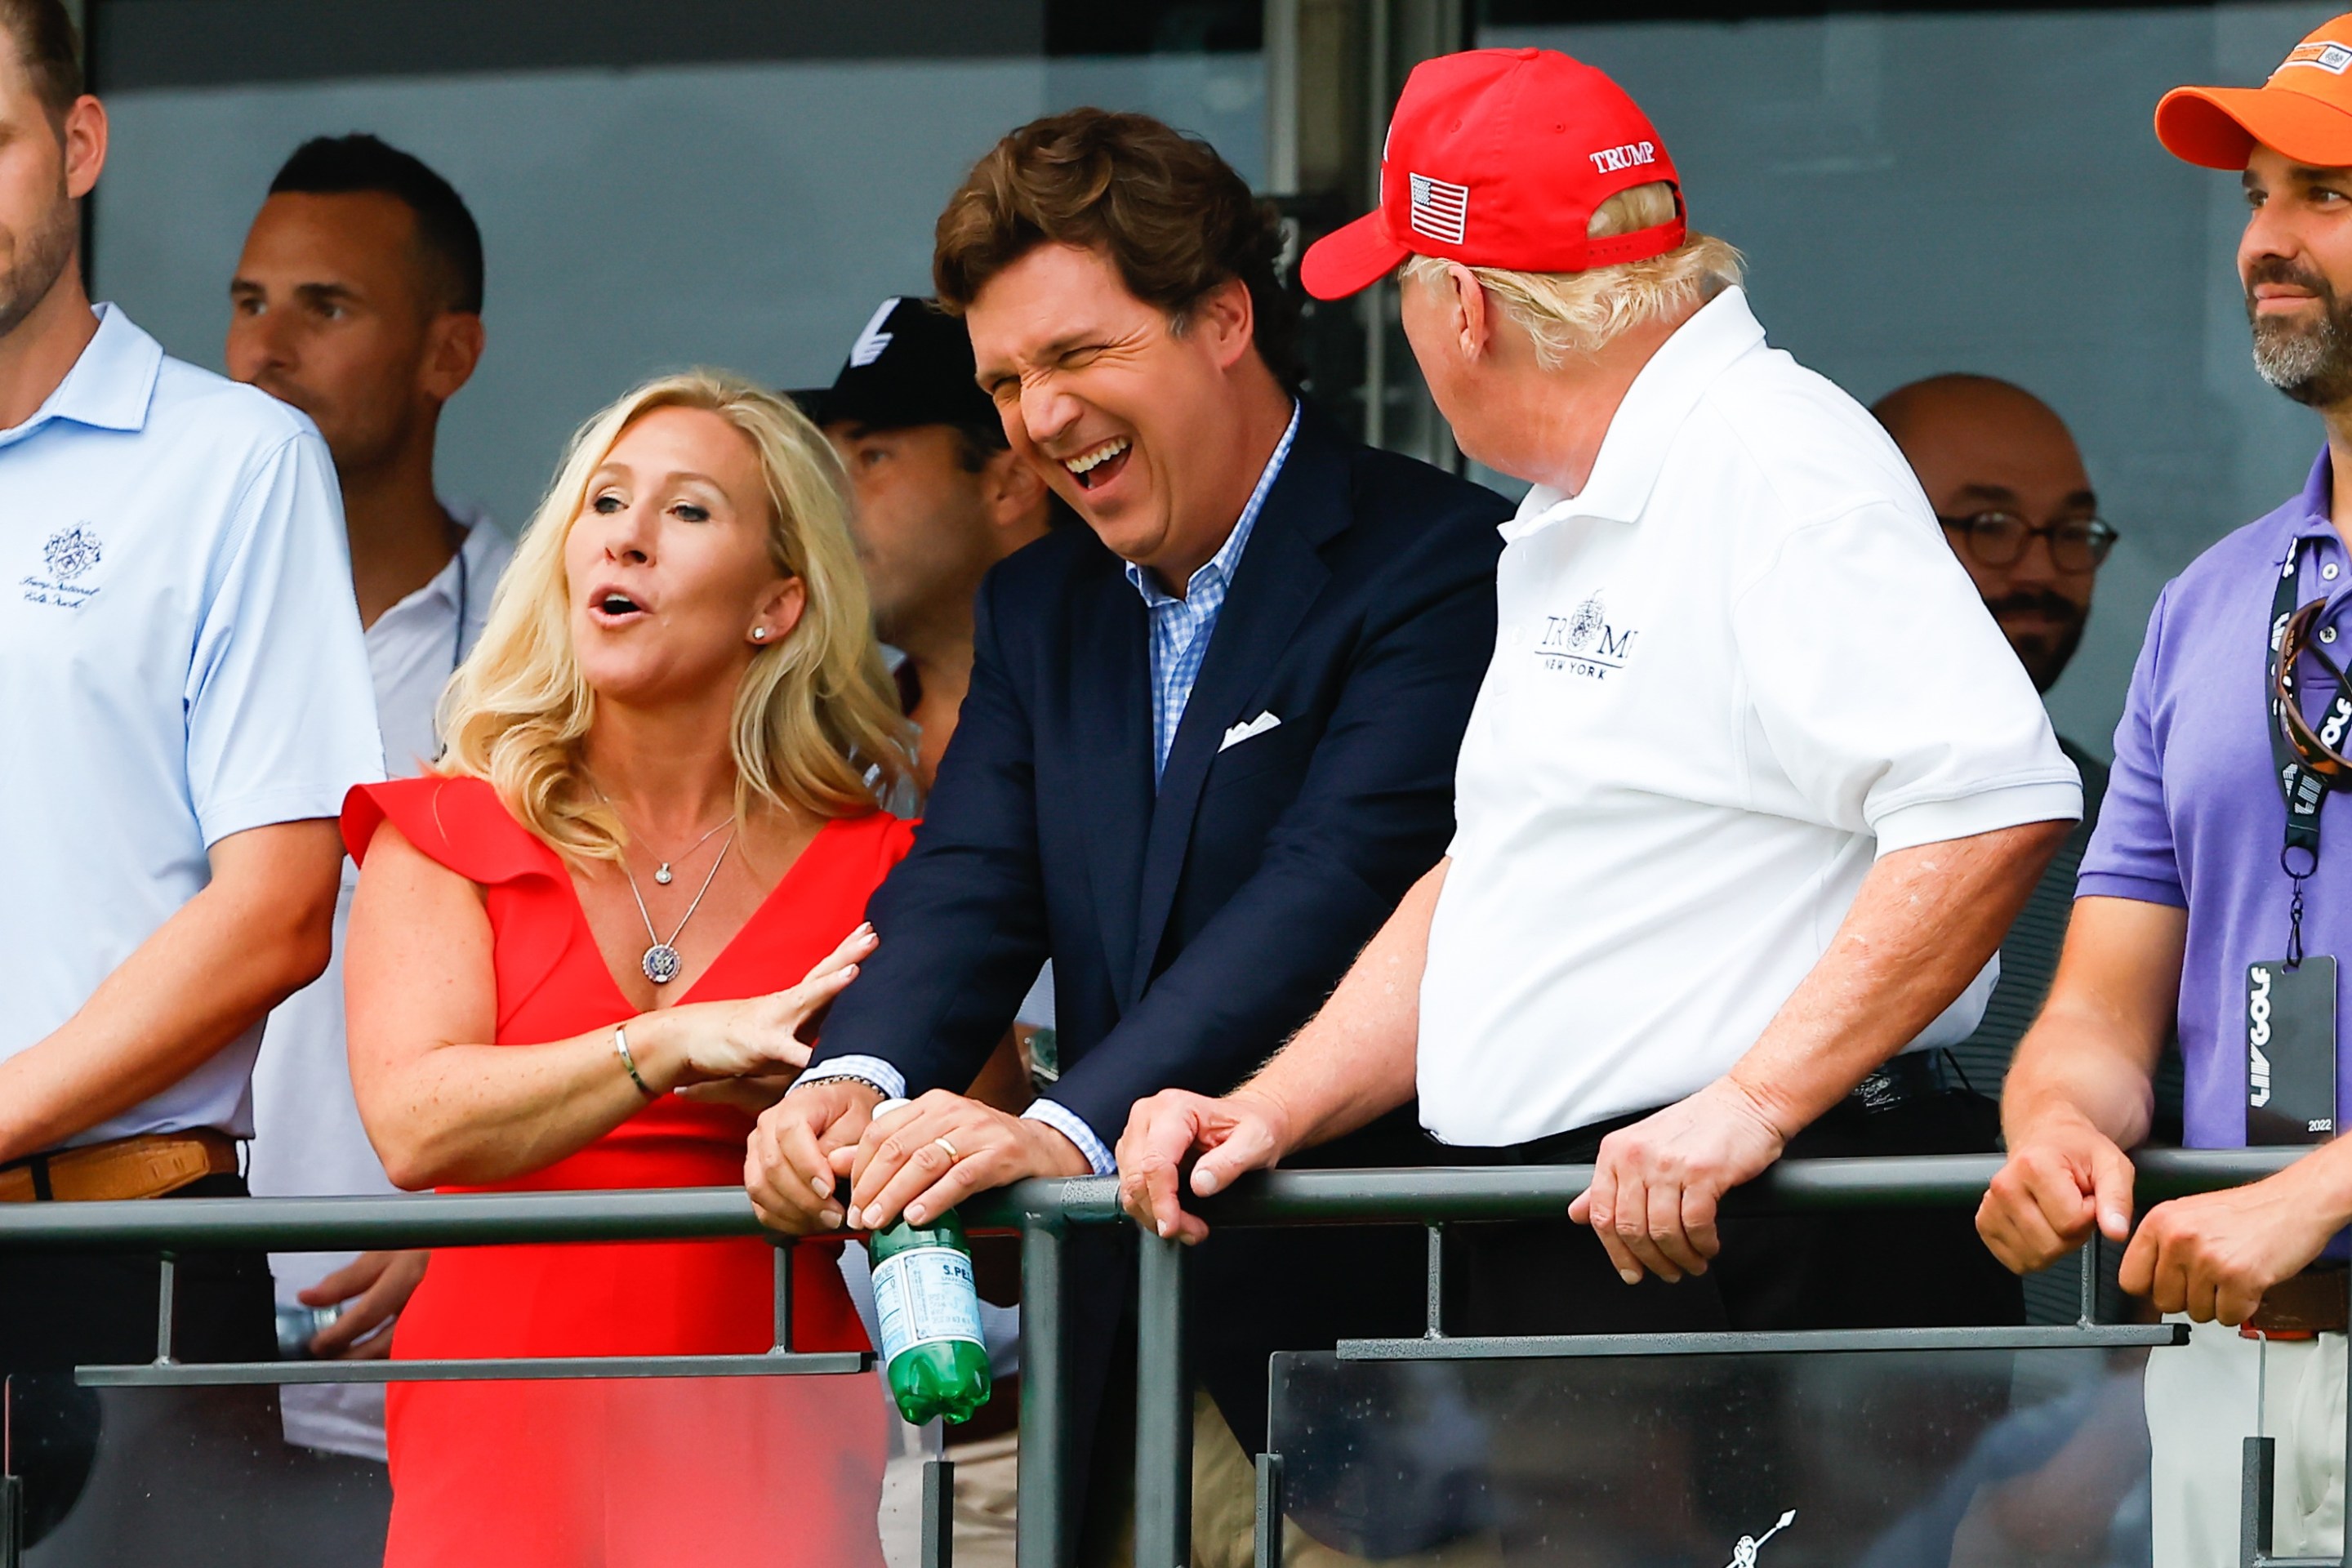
pixel 2303 110
pixel 2291 137
pixel 2238 961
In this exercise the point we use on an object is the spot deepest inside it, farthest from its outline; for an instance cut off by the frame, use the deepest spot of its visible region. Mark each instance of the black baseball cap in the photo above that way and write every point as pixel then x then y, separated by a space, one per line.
pixel 911 365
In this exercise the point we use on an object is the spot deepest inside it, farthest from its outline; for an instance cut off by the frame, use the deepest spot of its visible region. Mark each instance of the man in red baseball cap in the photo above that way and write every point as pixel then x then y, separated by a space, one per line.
pixel 2239 962
pixel 1729 866
pixel 1500 158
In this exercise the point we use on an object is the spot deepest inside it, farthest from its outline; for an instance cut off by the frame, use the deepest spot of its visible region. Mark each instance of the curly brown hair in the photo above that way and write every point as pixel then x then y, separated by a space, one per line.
pixel 1170 214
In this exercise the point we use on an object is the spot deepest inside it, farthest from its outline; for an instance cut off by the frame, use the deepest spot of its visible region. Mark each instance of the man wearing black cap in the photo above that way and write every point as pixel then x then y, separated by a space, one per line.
pixel 940 499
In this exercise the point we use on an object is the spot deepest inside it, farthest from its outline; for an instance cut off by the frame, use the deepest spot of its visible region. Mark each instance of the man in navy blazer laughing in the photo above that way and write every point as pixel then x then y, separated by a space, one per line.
pixel 1210 739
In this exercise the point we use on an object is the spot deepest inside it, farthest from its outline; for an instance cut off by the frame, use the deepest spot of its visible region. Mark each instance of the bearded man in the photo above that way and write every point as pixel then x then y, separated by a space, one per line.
pixel 2204 897
pixel 187 700
pixel 2007 483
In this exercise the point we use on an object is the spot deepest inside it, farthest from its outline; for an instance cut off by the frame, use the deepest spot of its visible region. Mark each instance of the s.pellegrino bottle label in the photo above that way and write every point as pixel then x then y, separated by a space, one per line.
pixel 928 1314
pixel 925 1296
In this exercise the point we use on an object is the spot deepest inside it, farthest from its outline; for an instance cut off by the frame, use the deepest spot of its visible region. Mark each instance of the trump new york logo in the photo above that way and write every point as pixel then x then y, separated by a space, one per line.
pixel 1439 208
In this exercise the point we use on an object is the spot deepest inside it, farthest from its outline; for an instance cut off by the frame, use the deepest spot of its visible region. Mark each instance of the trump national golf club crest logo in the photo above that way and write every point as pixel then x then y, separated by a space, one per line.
pixel 67 557
pixel 1584 642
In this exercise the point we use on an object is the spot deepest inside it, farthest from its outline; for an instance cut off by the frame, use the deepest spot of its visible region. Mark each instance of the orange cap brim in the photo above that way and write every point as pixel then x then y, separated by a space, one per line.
pixel 2218 127
pixel 1350 259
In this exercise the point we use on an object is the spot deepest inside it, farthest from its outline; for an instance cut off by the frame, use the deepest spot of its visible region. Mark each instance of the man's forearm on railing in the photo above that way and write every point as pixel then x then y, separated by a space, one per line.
pixel 1921 926
pixel 1354 1060
pixel 2091 1056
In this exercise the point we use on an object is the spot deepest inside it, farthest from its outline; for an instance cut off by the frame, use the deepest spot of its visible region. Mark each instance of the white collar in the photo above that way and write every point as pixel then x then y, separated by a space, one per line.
pixel 471 559
pixel 1663 394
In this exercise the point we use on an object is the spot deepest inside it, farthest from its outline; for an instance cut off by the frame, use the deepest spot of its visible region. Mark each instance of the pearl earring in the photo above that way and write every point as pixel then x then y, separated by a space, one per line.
pixel 759 633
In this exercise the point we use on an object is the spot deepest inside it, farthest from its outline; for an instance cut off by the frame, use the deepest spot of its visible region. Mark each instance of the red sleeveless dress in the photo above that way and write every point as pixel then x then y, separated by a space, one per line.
pixel 639 1472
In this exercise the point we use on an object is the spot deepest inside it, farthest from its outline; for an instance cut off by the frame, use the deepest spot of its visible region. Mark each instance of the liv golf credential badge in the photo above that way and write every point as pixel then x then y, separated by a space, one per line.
pixel 2291 1052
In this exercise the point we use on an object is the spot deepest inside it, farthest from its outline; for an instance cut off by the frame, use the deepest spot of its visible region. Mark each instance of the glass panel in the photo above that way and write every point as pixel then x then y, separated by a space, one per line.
pixel 1930 1459
pixel 198 1477
pixel 205 1477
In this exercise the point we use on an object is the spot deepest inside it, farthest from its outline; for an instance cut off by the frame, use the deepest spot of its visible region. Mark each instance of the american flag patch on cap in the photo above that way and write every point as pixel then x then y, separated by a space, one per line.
pixel 1439 208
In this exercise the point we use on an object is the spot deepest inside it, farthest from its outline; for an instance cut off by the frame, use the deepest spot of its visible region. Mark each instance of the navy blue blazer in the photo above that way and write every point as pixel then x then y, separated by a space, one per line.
pixel 1192 929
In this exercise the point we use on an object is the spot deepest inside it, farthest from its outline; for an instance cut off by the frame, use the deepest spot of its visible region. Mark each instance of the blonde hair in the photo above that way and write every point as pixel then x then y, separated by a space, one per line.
pixel 1570 314
pixel 816 723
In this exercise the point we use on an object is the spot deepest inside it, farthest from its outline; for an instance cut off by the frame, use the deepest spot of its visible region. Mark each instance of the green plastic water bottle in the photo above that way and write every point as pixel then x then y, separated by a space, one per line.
pixel 928 1311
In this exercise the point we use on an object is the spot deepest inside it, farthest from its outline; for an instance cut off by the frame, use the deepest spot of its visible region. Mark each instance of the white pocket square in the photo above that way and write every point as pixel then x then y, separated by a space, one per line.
pixel 1240 732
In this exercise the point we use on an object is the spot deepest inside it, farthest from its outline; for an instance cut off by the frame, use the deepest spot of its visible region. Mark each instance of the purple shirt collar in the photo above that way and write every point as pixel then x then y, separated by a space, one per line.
pixel 2308 515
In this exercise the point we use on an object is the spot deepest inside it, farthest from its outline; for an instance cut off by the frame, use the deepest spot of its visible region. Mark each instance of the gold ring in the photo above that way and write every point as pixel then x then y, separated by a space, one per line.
pixel 949 1148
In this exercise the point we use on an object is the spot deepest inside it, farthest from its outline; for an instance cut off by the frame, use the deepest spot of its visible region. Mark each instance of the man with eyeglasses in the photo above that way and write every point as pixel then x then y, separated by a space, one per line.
pixel 2005 478
pixel 2216 893
pixel 2002 472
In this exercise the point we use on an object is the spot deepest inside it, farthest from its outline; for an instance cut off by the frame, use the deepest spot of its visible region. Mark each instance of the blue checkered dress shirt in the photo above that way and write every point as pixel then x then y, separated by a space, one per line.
pixel 1181 629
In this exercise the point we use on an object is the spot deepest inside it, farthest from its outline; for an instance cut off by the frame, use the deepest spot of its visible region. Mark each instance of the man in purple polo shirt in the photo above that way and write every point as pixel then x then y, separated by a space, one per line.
pixel 2205 896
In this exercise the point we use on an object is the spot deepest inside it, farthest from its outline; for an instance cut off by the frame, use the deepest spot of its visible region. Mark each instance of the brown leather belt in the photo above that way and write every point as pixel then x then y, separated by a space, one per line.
pixel 2312 1302
pixel 145 1166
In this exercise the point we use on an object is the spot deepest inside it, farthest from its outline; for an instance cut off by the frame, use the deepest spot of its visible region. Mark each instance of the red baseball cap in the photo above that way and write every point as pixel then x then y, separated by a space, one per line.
pixel 1498 158
pixel 2303 110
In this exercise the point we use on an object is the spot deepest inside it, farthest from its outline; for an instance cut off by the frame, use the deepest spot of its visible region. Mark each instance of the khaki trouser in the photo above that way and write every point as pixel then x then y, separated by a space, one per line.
pixel 2201 1410
pixel 987 1500
pixel 1224 1515
pixel 986 1495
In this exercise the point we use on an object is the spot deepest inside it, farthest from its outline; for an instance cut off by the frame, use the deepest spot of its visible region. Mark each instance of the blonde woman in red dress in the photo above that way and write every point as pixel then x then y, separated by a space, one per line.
pixel 576 960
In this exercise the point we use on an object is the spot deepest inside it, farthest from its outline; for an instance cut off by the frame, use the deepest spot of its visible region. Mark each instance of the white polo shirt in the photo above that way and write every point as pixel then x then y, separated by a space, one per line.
pixel 307 1133
pixel 308 1138
pixel 1729 674
pixel 180 660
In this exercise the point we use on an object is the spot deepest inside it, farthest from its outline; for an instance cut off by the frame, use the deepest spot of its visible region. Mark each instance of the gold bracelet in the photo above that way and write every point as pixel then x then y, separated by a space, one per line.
pixel 621 1049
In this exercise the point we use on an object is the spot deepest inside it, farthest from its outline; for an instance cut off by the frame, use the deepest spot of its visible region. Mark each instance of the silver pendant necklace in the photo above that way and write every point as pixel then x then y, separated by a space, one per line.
pixel 662 872
pixel 661 962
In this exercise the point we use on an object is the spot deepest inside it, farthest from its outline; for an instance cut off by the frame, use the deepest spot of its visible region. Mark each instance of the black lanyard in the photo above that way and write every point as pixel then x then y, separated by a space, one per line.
pixel 2304 789
pixel 458 641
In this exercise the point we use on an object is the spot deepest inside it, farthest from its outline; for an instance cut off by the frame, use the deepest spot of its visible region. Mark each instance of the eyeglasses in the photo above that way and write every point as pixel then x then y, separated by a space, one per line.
pixel 2001 539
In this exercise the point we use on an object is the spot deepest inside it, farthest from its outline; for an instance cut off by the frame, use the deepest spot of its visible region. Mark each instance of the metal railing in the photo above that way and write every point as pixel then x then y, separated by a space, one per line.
pixel 1042 1211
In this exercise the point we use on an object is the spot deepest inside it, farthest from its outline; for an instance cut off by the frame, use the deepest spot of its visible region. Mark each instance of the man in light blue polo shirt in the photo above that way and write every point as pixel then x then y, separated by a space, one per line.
pixel 185 697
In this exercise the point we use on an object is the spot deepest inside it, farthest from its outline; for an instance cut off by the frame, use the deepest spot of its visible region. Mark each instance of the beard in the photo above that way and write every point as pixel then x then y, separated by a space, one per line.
pixel 2310 361
pixel 2043 654
pixel 37 259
